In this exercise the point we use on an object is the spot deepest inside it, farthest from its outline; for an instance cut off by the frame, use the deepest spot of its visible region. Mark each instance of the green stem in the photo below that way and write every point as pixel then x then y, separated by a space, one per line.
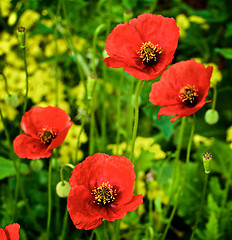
pixel 106 236
pixel 119 111
pixel 184 179
pixel 130 115
pixel 26 78
pixel 116 229
pixel 137 93
pixel 214 97
pixel 201 206
pixel 5 129
pixel 49 197
pixel 63 231
pixel 5 80
pixel 61 171
pixel 92 126
pixel 176 171
pixel 79 135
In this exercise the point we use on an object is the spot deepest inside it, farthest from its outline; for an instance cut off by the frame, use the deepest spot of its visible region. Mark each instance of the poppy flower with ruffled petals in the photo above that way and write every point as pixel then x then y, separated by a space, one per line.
pixel 45 128
pixel 144 47
pixel 101 188
pixel 182 89
pixel 11 232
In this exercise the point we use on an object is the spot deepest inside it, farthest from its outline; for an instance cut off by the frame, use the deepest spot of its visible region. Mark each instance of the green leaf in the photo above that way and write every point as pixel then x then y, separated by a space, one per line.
pixel 7 168
pixel 225 52
pixel 211 231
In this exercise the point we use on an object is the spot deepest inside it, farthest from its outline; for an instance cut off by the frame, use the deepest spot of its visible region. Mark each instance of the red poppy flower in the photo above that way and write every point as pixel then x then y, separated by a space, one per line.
pixel 11 232
pixel 144 47
pixel 182 89
pixel 45 128
pixel 101 188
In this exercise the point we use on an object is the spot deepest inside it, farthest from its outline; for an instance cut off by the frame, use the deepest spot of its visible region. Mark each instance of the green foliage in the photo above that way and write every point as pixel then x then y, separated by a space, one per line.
pixel 7 168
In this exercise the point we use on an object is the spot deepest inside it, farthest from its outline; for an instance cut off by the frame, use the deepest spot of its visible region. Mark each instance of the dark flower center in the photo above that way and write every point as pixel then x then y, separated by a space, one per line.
pixel 47 136
pixel 188 94
pixel 149 52
pixel 104 194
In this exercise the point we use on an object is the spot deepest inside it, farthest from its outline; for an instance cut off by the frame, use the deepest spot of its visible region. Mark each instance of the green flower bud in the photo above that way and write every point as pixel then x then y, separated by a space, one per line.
pixel 12 100
pixel 91 81
pixel 63 189
pixel 36 165
pixel 211 116
pixel 21 32
pixel 127 15
pixel 207 157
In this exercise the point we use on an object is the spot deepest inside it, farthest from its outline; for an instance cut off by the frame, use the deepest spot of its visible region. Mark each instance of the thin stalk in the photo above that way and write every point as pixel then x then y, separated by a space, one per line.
pixel 92 126
pixel 49 197
pixel 26 78
pixel 176 171
pixel 5 80
pixel 106 236
pixel 79 135
pixel 201 206
pixel 214 97
pixel 5 129
pixel 119 111
pixel 130 115
pixel 116 229
pixel 137 93
pixel 184 179
pixel 63 231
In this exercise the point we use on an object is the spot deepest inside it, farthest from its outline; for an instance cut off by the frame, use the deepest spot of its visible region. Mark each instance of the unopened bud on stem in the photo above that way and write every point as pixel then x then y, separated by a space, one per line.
pixel 207 157
pixel 21 32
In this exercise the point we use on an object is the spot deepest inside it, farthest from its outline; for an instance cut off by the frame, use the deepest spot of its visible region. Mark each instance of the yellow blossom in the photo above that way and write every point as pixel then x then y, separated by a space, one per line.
pixel 155 191
pixel 5 6
pixel 29 18
pixel 183 23
pixel 198 140
pixel 199 20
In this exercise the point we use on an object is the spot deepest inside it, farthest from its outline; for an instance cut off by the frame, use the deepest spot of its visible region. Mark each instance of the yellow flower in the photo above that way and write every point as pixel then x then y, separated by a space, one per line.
pixel 229 136
pixel 199 20
pixel 79 91
pixel 28 19
pixel 198 140
pixel 5 7
pixel 62 47
pixel 68 149
pixel 121 148
pixel 183 23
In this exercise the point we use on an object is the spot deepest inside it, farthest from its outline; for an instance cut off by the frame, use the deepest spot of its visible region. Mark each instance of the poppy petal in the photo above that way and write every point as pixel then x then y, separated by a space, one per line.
pixel 26 146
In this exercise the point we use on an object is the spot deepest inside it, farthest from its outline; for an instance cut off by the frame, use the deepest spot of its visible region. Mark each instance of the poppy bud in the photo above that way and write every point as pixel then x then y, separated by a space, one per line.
pixel 127 15
pixel 12 100
pixel 21 32
pixel 63 189
pixel 207 157
pixel 211 116
pixel 36 165
pixel 90 85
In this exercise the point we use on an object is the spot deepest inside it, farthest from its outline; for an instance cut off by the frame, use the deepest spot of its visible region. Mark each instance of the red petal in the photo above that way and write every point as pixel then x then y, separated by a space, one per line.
pixel 114 62
pixel 12 231
pixel 157 29
pixel 81 208
pixel 119 211
pixel 38 118
pixel 123 43
pixel 2 234
pixel 26 146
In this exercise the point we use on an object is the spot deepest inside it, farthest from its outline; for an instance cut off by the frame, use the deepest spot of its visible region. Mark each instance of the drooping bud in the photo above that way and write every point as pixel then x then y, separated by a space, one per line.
pixel 63 189
pixel 12 100
pixel 207 157
pixel 91 81
pixel 21 32
pixel 211 116
pixel 36 165
pixel 127 15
